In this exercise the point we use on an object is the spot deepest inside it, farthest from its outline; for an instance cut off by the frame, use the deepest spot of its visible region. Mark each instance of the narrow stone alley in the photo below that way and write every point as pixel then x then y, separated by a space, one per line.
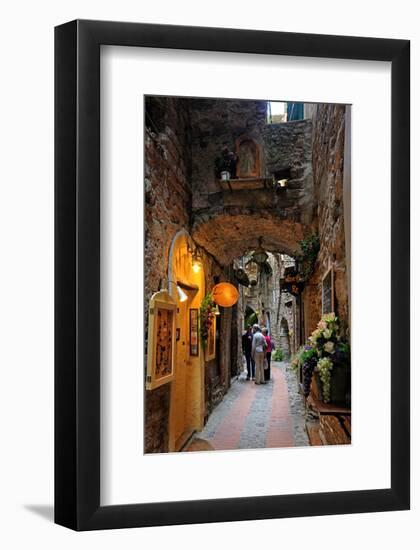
pixel 252 416
pixel 247 226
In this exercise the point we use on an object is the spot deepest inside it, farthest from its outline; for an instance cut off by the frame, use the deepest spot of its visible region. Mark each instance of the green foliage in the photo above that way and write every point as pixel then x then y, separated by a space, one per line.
pixel 207 309
pixel 252 319
pixel 306 257
pixel 277 355
pixel 307 354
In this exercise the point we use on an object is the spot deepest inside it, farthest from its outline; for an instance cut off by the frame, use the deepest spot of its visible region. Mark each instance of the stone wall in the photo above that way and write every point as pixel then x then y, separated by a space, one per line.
pixel 167 184
pixel 289 146
pixel 328 161
pixel 219 123
pixel 216 123
pixel 167 207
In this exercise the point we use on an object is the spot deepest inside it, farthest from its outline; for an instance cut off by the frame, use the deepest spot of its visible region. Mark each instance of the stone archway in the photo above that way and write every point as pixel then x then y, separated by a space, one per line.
pixel 227 235
pixel 250 316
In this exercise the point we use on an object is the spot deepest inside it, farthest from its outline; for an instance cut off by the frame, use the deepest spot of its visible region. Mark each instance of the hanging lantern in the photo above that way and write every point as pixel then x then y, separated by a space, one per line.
pixel 225 294
pixel 260 255
pixel 241 277
pixel 196 261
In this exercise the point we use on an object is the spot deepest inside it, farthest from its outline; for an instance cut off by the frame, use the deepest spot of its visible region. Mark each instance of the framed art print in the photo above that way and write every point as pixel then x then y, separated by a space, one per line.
pixel 215 190
pixel 161 340
pixel 194 336
pixel 211 341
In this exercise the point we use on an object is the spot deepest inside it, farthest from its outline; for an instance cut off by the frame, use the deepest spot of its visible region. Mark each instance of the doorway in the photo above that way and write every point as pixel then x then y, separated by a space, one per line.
pixel 186 411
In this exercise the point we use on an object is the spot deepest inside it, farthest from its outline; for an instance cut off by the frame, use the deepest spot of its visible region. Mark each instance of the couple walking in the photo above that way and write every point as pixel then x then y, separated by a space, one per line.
pixel 257 347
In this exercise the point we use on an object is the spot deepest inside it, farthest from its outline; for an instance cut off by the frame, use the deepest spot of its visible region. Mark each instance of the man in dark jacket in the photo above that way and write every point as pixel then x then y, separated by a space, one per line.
pixel 247 350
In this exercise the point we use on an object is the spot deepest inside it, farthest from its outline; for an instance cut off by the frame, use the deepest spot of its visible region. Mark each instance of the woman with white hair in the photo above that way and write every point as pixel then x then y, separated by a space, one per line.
pixel 259 346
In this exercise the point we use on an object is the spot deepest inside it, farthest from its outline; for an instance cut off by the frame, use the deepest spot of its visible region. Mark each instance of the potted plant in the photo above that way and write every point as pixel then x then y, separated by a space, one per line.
pixel 327 355
pixel 334 360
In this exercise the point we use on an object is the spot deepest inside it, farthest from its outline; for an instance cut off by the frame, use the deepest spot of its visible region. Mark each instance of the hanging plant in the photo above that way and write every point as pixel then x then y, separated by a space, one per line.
pixel 306 257
pixel 207 313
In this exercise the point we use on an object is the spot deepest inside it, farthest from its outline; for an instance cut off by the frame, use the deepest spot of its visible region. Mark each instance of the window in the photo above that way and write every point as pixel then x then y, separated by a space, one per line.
pixel 282 111
pixel 276 112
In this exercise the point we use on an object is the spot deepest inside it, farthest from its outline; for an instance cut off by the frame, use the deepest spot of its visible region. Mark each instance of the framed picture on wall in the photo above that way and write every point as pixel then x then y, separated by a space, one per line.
pixel 194 339
pixel 161 340
pixel 109 76
pixel 211 341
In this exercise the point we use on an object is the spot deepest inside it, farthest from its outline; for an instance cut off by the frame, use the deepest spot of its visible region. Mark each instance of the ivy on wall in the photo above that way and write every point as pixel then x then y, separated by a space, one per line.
pixel 306 257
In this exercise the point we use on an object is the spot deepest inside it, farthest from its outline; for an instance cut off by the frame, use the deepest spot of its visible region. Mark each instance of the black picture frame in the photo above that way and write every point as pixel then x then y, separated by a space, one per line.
pixel 77 274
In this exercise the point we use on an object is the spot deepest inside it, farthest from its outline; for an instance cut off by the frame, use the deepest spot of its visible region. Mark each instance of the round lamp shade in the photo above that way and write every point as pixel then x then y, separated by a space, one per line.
pixel 225 295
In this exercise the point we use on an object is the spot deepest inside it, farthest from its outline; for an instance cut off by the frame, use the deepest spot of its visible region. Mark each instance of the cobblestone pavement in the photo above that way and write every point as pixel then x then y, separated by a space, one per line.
pixel 252 416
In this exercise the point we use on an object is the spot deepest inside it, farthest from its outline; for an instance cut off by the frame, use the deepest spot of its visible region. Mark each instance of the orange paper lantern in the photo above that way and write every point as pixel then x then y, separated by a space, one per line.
pixel 225 294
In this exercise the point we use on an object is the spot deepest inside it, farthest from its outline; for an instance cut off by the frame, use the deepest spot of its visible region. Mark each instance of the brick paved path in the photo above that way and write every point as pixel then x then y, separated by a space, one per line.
pixel 252 416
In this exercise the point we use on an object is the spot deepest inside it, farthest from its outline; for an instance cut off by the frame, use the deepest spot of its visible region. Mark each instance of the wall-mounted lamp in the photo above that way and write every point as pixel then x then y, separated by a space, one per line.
pixel 281 177
pixel 196 261
pixel 195 257
pixel 182 296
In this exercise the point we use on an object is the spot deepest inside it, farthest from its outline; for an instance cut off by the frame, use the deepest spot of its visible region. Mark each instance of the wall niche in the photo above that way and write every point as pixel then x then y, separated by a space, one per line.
pixel 249 158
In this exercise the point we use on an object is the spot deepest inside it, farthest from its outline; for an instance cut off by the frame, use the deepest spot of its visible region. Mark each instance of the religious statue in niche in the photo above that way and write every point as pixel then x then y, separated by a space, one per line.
pixel 225 165
pixel 163 360
pixel 248 158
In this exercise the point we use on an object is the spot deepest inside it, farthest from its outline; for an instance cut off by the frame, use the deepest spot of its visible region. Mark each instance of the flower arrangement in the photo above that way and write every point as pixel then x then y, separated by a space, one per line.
pixel 207 313
pixel 324 350
pixel 324 367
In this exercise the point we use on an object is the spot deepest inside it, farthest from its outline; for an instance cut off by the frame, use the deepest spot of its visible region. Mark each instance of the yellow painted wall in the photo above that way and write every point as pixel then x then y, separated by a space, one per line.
pixel 187 388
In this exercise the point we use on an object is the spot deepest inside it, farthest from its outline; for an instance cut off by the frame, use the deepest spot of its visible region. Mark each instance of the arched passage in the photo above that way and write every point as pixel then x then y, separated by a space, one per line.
pixel 250 316
pixel 228 235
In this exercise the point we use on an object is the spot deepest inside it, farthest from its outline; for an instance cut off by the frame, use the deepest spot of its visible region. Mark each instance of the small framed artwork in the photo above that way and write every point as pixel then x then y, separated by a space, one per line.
pixel 194 341
pixel 211 341
pixel 161 340
pixel 328 292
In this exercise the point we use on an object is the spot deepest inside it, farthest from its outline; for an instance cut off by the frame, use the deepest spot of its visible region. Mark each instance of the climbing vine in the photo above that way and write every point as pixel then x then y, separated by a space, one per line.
pixel 306 257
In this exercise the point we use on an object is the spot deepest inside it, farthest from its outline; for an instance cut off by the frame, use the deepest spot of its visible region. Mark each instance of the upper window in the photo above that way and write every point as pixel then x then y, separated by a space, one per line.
pixel 276 112
pixel 282 111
